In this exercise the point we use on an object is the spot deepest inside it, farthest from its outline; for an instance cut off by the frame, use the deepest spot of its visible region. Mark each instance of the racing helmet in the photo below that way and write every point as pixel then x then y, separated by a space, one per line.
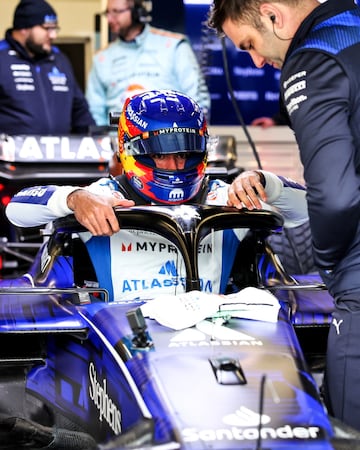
pixel 163 122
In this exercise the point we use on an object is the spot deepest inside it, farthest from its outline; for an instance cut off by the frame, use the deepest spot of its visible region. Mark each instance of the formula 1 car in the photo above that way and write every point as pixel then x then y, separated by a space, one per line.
pixel 78 371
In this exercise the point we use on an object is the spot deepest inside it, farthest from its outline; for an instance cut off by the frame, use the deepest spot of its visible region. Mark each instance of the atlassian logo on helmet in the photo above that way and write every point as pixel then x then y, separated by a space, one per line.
pixel 135 118
pixel 176 194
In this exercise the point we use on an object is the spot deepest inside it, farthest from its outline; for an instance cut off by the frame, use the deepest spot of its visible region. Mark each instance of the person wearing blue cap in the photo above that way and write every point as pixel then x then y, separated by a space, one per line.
pixel 38 90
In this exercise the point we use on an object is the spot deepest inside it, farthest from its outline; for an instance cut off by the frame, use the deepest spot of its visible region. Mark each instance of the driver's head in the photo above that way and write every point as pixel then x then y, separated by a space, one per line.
pixel 162 145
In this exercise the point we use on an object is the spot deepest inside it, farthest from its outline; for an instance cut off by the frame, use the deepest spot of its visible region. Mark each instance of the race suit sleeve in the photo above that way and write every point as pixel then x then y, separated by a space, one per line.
pixel 38 205
pixel 316 94
pixel 285 196
pixel 189 75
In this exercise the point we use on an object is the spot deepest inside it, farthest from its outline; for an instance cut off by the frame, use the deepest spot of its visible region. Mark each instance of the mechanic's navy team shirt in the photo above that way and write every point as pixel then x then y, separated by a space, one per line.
pixel 139 264
pixel 320 84
pixel 39 95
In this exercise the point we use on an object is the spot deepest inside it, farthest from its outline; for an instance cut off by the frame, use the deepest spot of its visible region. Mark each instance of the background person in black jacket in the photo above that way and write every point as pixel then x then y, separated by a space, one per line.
pixel 38 90
pixel 317 48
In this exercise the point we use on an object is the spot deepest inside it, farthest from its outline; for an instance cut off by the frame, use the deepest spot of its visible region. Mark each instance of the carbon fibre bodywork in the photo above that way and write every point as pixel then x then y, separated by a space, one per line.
pixel 81 372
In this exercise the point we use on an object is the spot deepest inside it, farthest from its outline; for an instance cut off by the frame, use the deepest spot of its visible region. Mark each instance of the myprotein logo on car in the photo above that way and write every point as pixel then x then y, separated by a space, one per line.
pixel 159 247
pixel 148 246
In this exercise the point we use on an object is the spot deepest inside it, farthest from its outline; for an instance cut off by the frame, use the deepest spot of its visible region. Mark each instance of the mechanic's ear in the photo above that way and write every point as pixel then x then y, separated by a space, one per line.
pixel 269 11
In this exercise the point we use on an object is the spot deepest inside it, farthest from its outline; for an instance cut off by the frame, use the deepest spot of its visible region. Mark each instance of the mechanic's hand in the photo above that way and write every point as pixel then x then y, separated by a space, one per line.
pixel 95 212
pixel 246 190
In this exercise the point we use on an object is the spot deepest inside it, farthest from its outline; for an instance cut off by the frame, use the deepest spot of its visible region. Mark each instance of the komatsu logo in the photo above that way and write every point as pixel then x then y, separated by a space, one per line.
pixel 105 405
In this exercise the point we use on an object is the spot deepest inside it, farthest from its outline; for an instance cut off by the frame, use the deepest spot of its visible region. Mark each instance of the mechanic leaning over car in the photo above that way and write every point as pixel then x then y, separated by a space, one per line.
pixel 38 90
pixel 141 58
pixel 163 150
pixel 318 47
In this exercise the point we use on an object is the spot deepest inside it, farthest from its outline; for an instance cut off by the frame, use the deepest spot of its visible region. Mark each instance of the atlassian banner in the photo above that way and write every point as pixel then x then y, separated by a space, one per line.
pixel 256 90
pixel 70 148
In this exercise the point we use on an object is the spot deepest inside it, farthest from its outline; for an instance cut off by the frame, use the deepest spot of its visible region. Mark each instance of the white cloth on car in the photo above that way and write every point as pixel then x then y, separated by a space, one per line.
pixel 187 309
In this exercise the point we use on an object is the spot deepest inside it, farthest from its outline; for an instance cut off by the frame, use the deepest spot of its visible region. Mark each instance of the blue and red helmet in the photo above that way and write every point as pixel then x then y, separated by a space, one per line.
pixel 163 122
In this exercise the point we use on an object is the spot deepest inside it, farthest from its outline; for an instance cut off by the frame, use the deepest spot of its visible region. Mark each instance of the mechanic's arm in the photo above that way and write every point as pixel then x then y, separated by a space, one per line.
pixel 256 189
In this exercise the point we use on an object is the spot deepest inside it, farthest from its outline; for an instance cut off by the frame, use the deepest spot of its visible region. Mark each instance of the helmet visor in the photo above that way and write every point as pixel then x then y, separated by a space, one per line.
pixel 166 143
